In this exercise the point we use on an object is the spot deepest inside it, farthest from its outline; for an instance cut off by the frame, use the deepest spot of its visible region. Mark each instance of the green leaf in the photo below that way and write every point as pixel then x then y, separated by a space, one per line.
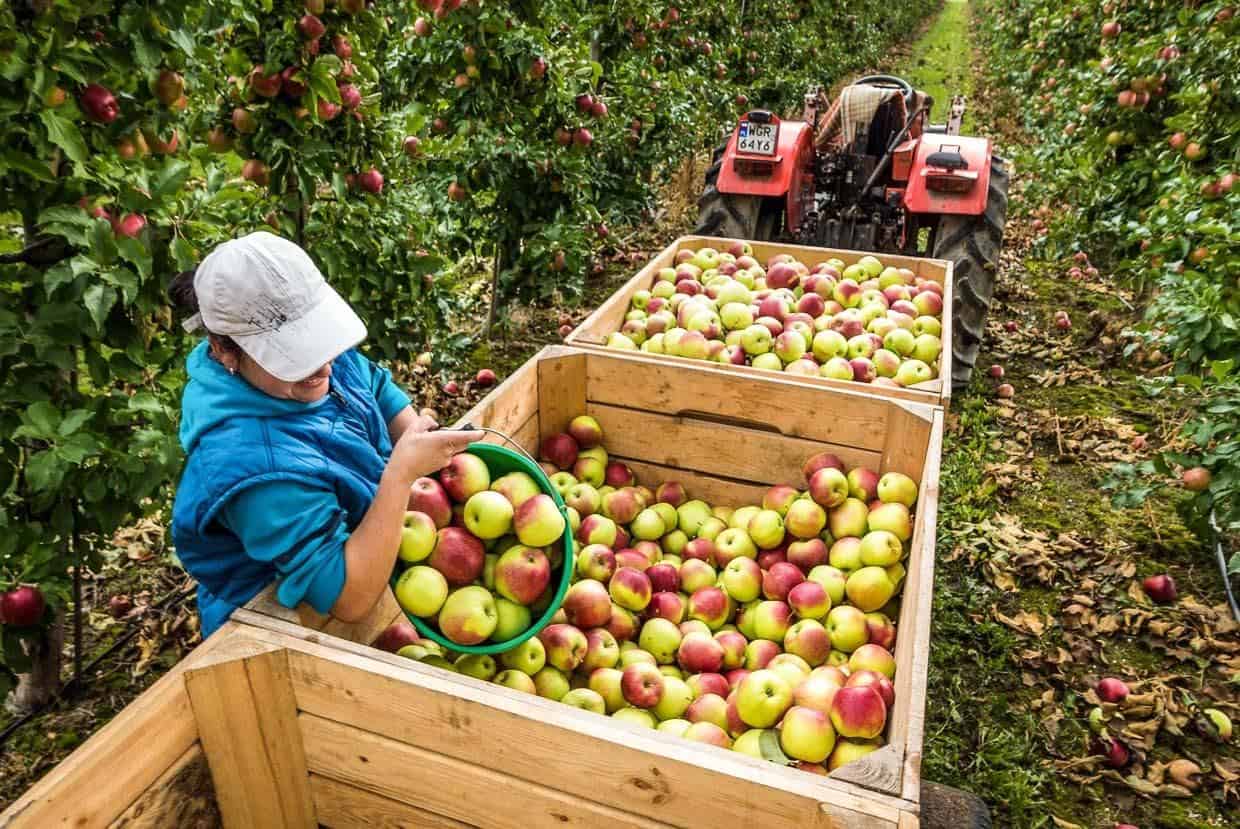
pixel 44 471
pixel 183 40
pixel 44 417
pixel 144 401
pixel 99 300
pixel 183 253
pixel 170 180
pixel 64 133
pixel 134 252
pixel 22 163
pixel 73 421
pixel 78 448
pixel 60 274
pixel 768 744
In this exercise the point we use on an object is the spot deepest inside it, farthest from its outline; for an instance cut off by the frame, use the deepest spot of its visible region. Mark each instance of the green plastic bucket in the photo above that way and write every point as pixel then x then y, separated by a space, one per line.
pixel 500 461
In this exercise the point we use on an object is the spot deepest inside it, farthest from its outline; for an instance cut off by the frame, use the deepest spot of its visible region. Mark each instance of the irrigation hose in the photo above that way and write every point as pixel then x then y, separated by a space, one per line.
pixel 1221 555
pixel 169 600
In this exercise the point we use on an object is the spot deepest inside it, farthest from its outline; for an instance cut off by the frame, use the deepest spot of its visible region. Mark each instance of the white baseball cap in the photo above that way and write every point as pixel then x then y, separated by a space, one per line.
pixel 266 293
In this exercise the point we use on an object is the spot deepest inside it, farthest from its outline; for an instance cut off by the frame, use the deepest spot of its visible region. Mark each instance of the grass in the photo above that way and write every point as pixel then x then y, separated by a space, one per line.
pixel 941 63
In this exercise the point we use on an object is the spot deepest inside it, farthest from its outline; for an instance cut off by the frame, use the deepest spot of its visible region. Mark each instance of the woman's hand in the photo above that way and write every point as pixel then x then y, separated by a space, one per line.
pixel 417 454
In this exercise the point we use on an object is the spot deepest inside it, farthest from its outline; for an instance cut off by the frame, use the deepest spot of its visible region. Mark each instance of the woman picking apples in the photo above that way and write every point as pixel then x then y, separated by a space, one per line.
pixel 301 452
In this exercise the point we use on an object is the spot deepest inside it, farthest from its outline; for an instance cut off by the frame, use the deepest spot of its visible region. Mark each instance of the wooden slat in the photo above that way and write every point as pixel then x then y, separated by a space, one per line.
pixel 905 446
pixel 847 417
pixel 90 787
pixel 448 786
pixel 247 720
pixel 341 806
pixel 945 359
pixel 908 820
pixel 561 392
pixel 879 770
pixel 697 445
pixel 914 661
pixel 182 796
pixel 637 770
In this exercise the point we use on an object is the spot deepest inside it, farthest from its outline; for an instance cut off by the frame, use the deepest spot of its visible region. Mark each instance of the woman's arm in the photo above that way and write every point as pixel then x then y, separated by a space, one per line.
pixel 371 549
pixel 407 419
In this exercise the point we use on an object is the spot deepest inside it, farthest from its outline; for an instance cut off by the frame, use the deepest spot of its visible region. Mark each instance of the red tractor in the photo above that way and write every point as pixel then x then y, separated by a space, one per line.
pixel 869 172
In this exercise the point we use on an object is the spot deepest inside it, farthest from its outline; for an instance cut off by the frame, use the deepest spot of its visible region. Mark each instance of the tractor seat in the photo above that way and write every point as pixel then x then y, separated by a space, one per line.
pixel 871 114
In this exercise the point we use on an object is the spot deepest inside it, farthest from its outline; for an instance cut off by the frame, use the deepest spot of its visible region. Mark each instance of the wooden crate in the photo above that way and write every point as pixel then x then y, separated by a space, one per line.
pixel 299 726
pixel 608 317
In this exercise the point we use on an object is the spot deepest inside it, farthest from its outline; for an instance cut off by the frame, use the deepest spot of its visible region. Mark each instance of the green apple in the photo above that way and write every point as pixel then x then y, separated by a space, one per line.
pixel 901 341
pixel 869 588
pixel 832 580
pixel 710 528
pixel 648 525
pixel 807 735
pixel 606 683
pixel 742 579
pixel 417 537
pixel 912 372
pixel 516 680
pixel 837 368
pixel 585 699
pixel 756 340
pixel 848 629
pixel 926 324
pixel 675 700
pixel 849 518
pixel 880 548
pixel 518 487
pixel 895 487
pixel 893 517
pixel 750 742
pixel 675 727
pixel 830 344
pixel 551 683
pixel 691 516
pixel 766 529
pixel 660 638
pixel 739 519
pixel 529 657
pixel 762 697
pixel 927 348
pixel 771 620
pixel 636 716
pixel 563 483
pixel 421 591
pixel 488 514
pixel 511 619
pixel 478 665
pixel 539 522
pixel 668 514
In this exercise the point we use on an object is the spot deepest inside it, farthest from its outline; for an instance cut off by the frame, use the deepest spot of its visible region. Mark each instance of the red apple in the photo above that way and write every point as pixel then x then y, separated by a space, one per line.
pixel 395 636
pixel 458 555
pixel 1160 588
pixel 1110 689
pixel 22 607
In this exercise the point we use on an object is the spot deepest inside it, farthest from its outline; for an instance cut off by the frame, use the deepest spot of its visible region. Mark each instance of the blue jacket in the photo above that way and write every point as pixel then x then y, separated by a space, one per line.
pixel 272 488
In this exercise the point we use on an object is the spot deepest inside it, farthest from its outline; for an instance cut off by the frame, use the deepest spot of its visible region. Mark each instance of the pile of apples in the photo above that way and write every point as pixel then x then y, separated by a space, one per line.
pixel 765 628
pixel 866 321
pixel 480 554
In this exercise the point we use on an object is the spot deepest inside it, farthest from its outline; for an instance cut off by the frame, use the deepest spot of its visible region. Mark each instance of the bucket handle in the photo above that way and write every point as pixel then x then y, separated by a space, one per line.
pixel 469 427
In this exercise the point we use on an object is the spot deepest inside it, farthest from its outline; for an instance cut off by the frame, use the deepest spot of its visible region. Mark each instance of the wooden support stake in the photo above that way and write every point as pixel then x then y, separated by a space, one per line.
pixel 247 721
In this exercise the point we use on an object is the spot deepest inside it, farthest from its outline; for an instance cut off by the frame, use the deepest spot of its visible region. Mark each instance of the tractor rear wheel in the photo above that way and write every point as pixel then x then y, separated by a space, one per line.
pixel 972 244
pixel 735 216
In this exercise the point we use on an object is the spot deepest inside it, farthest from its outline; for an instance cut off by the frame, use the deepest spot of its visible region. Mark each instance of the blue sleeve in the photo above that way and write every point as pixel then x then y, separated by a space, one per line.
pixel 391 398
pixel 300 530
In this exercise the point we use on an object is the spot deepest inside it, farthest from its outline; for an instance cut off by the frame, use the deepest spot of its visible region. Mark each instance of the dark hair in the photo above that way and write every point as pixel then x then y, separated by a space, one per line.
pixel 182 296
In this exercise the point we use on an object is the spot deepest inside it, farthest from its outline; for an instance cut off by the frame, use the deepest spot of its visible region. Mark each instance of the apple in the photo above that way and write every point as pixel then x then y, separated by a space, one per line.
pixel 583 497
pixel 807 554
pixel 511 619
pixel 912 372
pixel 560 449
pixel 848 751
pixel 806 734
pixel 1160 588
pixel 674 701
pixel 417 536
pixel 805 519
pixel 660 638
pixel 669 606
pixel 517 681
pixel 1196 479
pixel 869 588
pixel 664 578
pixel 587 603
pixel 585 699
pixel 708 708
pixel 518 487
pixel 766 529
pixel 858 712
pixel 1110 689
pixel 809 640
pixel 708 683
pixel 622 624
pixel 847 627
pixel 927 348
pixel 597 562
pixel 586 431
pixel 742 579
pixel 863 484
pixel 762 698
pixel 779 578
pixel 829 345
pixel 880 548
pixel 771 620
pixel 488 514
pixel 700 653
pixel 551 683
pixel 635 716
pixel 696 574
pixel 711 528
pixel 565 645
pixel 606 683
pixel 832 579
pixel 642 685
pixel 872 657
pixel 709 733
pixel 779 498
pixel 618 474
pixel 428 496
pixel 478 665
pixel 468 615
pixel 588 470
pixel 539 522
pixel 622 505
pixel 563 483
pixel 828 487
pixel 880 630
pixel 99 104
pixel 732 543
pixel 848 519
pixel 893 518
pixel 394 637
pixel 458 555
pixel 598 529
pixel 711 606
pixel 759 653
pixel 465 475
pixel 818 690
pixel 630 588
pixel 734 646
pixel 810 600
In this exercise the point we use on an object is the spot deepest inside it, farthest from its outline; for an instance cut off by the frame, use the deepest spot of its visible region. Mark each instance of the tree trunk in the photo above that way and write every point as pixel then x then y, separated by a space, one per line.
pixel 41 684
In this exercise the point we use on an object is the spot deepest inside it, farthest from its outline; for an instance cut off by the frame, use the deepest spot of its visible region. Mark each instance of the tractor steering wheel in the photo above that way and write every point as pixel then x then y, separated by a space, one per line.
pixel 890 80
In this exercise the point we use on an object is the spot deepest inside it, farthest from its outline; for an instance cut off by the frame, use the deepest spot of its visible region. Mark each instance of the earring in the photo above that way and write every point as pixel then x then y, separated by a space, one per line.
pixel 232 370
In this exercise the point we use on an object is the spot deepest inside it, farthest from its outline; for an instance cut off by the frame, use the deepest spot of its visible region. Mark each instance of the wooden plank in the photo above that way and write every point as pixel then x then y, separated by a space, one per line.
pixel 561 391
pixel 447 786
pixel 920 578
pixel 341 806
pixel 848 417
pixel 90 787
pixel 945 359
pixel 879 770
pixel 247 720
pixel 609 316
pixel 698 445
pixel 907 440
pixel 637 770
pixel 908 820
pixel 182 796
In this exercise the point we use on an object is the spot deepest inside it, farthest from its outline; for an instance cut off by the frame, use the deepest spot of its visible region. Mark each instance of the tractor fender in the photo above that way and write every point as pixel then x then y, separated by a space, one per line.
pixel 919 199
pixel 791 177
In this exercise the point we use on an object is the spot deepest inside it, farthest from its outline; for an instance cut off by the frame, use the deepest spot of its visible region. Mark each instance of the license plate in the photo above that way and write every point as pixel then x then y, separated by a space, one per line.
pixel 756 139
